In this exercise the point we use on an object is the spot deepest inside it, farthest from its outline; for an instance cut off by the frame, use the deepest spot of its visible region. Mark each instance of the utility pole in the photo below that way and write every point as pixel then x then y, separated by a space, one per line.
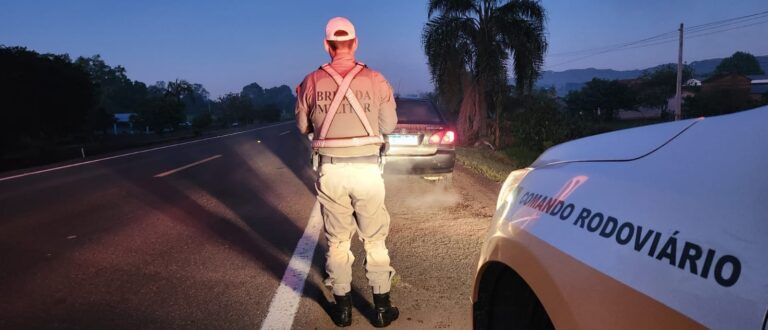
pixel 678 86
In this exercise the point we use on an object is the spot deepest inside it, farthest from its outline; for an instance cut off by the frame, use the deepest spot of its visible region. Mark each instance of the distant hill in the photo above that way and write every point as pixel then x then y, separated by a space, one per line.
pixel 568 80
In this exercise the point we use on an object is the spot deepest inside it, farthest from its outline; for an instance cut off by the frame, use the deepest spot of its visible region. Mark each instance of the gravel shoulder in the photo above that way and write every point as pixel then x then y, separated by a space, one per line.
pixel 434 243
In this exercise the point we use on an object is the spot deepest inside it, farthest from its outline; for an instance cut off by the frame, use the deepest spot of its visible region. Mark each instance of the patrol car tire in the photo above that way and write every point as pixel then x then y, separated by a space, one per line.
pixel 507 302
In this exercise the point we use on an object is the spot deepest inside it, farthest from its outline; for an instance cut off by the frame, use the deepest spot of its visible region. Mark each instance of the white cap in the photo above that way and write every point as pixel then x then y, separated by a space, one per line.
pixel 339 29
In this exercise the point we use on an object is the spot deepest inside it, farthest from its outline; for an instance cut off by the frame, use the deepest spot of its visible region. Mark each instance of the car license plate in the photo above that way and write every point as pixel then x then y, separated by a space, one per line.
pixel 408 140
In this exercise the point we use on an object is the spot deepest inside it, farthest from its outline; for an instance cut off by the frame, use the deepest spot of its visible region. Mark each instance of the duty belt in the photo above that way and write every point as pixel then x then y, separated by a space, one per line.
pixel 372 159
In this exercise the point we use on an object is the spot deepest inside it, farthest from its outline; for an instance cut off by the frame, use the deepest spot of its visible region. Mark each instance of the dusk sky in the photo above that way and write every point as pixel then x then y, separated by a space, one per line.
pixel 225 45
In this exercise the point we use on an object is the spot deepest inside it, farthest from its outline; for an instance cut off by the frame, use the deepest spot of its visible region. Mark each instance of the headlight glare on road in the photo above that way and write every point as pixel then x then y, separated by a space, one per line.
pixel 506 195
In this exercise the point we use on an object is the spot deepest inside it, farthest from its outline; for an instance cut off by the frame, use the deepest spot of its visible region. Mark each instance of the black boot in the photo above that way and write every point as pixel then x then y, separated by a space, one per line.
pixel 385 313
pixel 342 312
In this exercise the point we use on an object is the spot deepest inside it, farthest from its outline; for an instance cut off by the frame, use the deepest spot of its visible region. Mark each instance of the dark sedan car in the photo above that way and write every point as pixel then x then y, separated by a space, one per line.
pixel 422 143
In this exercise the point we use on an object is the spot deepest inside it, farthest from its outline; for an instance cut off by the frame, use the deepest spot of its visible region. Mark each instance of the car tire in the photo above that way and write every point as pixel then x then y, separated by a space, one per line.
pixel 515 306
pixel 507 302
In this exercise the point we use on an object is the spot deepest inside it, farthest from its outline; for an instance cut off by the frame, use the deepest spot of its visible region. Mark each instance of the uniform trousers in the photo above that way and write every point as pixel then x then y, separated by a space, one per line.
pixel 352 199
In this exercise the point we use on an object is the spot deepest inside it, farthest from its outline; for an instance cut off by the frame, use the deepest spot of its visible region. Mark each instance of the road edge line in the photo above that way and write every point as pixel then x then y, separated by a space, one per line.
pixel 135 153
pixel 285 303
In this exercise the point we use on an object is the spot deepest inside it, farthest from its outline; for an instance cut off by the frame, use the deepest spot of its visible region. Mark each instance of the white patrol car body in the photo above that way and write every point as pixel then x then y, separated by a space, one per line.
pixel 663 225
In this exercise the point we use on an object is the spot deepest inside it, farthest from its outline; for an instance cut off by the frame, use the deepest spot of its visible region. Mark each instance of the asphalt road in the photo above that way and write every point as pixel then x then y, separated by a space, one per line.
pixel 199 236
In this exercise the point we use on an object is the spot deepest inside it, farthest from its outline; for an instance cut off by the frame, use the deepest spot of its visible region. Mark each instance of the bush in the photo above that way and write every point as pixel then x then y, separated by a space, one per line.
pixel 717 102
pixel 521 157
pixel 160 114
pixel 201 122
pixel 493 165
pixel 539 129
pixel 268 113
pixel 45 98
pixel 531 128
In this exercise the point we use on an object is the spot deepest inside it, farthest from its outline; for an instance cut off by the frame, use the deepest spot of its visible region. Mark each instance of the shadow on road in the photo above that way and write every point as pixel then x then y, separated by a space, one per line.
pixel 238 208
pixel 297 159
pixel 299 162
pixel 270 236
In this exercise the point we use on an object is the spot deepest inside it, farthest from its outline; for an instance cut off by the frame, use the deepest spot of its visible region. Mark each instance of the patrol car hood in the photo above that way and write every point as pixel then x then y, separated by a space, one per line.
pixel 622 145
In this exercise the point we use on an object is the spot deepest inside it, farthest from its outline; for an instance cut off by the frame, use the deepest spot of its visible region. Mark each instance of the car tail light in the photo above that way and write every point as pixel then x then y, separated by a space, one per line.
pixel 435 138
pixel 443 137
pixel 449 137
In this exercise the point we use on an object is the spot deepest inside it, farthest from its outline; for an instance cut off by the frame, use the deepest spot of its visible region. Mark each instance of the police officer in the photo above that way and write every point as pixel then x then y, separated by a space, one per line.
pixel 348 106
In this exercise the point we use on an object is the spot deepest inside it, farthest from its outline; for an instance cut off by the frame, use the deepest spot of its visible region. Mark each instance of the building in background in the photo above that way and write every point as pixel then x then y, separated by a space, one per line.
pixel 759 87
pixel 123 123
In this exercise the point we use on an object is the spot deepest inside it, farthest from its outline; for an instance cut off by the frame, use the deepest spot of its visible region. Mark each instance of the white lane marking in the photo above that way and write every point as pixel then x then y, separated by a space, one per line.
pixel 166 173
pixel 283 133
pixel 135 153
pixel 285 303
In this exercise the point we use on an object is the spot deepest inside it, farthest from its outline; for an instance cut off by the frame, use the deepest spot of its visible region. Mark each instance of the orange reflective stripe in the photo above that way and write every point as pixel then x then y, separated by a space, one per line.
pixel 342 92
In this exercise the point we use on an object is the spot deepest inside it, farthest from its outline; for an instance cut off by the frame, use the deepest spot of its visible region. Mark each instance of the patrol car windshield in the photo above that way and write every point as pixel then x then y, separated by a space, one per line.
pixel 409 111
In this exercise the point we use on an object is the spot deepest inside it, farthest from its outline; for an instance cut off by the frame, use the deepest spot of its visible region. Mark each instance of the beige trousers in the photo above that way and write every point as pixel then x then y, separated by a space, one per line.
pixel 343 189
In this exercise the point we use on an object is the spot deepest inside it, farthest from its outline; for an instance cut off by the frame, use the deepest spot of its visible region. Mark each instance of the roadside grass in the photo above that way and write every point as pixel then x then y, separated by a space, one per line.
pixel 522 157
pixel 494 165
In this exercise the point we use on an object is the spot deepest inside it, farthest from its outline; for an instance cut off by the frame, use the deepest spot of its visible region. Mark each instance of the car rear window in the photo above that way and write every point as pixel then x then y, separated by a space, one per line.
pixel 417 112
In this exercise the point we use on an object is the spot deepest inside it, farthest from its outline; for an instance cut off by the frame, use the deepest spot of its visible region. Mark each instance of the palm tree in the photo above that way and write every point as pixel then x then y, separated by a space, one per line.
pixel 469 43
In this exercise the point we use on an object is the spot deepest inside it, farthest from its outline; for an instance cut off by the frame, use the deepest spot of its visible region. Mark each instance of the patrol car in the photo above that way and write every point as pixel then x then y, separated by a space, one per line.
pixel 657 227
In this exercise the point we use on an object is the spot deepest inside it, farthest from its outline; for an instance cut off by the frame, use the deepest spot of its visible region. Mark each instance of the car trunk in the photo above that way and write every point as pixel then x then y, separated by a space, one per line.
pixel 412 139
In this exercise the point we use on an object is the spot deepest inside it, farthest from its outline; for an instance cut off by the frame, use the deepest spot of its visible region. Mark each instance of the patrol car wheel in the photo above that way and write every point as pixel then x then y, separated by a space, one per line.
pixel 507 302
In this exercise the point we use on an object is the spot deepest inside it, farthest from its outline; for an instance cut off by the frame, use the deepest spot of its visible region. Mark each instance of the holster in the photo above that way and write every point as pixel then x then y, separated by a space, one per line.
pixel 315 160
pixel 383 156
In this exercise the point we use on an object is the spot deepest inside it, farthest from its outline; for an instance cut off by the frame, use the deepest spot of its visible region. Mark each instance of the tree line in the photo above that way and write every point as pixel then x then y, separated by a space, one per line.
pixel 539 120
pixel 473 46
pixel 51 100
